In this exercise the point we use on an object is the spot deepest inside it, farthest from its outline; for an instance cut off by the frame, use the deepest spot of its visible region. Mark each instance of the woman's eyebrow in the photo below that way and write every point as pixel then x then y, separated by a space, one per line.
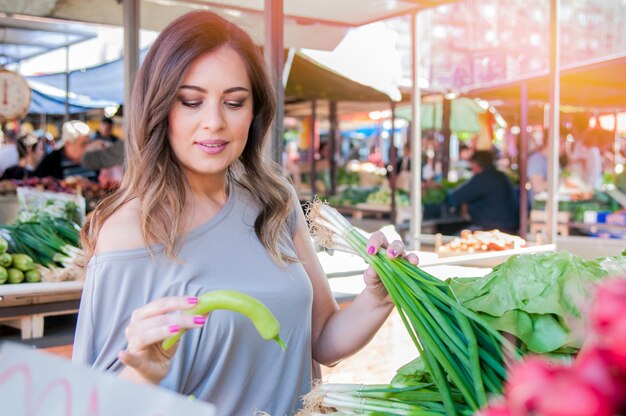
pixel 193 87
pixel 235 89
pixel 202 90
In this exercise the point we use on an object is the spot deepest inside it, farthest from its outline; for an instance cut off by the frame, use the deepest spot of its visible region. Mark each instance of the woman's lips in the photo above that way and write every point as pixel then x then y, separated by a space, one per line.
pixel 211 147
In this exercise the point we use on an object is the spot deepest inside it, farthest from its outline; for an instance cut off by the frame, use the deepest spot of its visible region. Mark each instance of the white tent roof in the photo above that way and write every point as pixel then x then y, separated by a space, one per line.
pixel 318 24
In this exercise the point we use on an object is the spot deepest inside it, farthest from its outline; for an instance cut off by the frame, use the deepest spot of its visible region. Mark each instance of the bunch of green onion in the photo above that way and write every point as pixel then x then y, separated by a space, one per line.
pixel 463 354
pixel 51 242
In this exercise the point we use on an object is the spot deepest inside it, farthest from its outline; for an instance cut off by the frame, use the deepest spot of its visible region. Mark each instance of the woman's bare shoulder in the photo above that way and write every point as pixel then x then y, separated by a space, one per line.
pixel 122 230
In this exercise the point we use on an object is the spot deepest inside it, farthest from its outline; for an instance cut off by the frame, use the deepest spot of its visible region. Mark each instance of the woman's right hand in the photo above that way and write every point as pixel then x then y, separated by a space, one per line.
pixel 148 327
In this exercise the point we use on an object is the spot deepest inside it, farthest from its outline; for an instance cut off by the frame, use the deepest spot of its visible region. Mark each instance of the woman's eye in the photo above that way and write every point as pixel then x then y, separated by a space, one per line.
pixel 234 104
pixel 191 104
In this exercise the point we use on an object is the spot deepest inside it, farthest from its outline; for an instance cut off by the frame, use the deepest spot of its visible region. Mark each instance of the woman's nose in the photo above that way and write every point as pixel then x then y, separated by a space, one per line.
pixel 212 119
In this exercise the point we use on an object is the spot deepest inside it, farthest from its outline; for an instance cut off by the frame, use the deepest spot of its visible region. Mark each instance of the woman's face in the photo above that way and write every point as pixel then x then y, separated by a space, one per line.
pixel 211 116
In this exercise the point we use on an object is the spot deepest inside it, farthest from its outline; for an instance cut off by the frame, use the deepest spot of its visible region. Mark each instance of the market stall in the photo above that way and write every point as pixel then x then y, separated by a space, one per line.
pixel 40 259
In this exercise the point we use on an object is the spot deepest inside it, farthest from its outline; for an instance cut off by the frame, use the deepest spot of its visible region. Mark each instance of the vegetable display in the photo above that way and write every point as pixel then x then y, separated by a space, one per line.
pixel 15 268
pixel 264 321
pixel 463 354
pixel 50 235
pixel 538 298
pixel 593 385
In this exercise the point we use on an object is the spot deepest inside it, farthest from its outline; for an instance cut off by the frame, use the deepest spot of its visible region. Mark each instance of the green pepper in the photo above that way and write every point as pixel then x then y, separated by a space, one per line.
pixel 32 276
pixel 264 321
pixel 15 275
pixel 4 275
pixel 5 260
pixel 23 262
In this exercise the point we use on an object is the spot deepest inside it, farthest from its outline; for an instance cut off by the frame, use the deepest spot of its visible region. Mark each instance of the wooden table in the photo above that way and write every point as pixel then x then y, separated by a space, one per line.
pixel 25 305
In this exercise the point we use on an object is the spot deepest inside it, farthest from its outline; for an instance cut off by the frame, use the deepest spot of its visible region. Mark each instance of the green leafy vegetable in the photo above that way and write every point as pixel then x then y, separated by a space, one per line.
pixel 536 297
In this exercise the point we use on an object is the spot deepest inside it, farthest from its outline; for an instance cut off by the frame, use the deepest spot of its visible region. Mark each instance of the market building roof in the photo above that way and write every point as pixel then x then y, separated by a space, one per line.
pixel 592 84
pixel 319 24
pixel 25 38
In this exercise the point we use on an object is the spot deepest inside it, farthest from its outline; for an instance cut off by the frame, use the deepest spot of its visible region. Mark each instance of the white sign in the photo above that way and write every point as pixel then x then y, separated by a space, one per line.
pixel 34 383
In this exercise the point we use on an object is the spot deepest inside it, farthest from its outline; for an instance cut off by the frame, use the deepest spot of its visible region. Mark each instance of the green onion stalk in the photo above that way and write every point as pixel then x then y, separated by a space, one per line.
pixel 51 243
pixel 464 355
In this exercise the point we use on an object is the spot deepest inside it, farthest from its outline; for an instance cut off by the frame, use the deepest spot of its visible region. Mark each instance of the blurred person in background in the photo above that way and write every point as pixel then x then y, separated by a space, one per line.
pixel 105 131
pixel 489 195
pixel 65 160
pixel 30 149
pixel 291 168
pixel 8 150
pixel 107 156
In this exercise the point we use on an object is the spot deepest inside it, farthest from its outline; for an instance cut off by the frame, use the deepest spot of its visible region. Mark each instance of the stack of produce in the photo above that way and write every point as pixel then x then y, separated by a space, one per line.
pixel 50 237
pixel 593 385
pixel 458 326
pixel 463 355
pixel 383 197
pixel 16 268
pixel 480 241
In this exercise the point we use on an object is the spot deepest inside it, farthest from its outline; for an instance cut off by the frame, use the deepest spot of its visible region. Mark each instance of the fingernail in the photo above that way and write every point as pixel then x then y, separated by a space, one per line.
pixel 174 329
pixel 199 320
pixel 371 250
pixel 393 252
pixel 192 300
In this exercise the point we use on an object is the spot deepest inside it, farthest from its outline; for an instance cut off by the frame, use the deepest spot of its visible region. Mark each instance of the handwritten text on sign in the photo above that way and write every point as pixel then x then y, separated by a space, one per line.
pixel 33 383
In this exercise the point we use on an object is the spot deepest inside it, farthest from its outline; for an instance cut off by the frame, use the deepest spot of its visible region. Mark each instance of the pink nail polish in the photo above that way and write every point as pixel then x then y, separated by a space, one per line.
pixel 371 250
pixel 199 320
pixel 393 252
pixel 174 329
pixel 192 300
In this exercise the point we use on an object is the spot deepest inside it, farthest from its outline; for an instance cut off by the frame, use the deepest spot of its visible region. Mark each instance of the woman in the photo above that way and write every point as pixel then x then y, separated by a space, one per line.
pixel 30 151
pixel 199 210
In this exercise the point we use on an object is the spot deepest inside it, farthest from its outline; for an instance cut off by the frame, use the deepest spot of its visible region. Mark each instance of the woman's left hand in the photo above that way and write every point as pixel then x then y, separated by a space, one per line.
pixel 394 250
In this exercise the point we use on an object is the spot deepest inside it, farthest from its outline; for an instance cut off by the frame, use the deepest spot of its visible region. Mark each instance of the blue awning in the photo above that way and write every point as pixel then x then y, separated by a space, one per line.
pixel 50 100
pixel 105 82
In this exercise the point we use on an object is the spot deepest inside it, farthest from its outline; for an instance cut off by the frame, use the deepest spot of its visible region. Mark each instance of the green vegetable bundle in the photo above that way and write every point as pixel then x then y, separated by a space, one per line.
pixel 461 352
pixel 49 235
pixel 539 298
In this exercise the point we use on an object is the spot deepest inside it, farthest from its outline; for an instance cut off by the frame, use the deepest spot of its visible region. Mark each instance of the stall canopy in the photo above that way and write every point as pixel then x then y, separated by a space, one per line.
pixel 307 80
pixel 102 82
pixel 593 84
pixel 318 24
pixel 463 114
pixel 25 38
pixel 51 101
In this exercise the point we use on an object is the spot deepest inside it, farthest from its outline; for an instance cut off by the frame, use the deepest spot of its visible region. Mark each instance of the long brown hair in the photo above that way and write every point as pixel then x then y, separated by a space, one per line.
pixel 153 174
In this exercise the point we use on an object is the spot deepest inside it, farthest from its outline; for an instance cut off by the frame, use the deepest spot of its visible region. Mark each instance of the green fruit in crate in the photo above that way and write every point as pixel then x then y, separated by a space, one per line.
pixel 4 245
pixel 4 275
pixel 23 262
pixel 5 260
pixel 15 275
pixel 32 276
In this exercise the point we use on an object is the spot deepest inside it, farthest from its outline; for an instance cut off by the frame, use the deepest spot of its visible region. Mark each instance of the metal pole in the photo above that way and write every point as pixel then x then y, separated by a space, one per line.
pixel 313 147
pixel 66 117
pixel 523 159
pixel 552 206
pixel 274 29
pixel 131 51
pixel 392 162
pixel 416 142
pixel 334 145
pixel 446 132
pixel 616 143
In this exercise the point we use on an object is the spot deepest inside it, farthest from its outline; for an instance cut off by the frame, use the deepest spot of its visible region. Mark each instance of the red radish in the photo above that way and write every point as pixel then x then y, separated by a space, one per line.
pixel 568 395
pixel 526 383
pixel 495 409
